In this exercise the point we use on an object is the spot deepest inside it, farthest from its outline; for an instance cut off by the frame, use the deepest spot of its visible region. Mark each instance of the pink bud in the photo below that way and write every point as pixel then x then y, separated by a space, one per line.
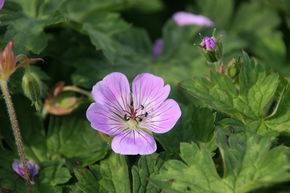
pixel 208 43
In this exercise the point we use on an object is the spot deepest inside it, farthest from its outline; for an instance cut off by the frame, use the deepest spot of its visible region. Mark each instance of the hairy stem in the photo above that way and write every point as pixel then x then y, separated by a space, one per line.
pixel 16 132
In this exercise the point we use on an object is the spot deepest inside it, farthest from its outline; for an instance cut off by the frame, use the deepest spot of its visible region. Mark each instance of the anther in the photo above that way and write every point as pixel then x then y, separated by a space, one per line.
pixel 146 114
pixel 142 107
pixel 126 117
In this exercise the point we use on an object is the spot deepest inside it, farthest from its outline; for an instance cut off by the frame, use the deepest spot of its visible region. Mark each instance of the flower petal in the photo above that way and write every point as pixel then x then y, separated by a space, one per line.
pixel 114 92
pixel 2 3
pixel 17 167
pixel 184 18
pixel 157 48
pixel 104 120
pixel 149 91
pixel 163 118
pixel 33 168
pixel 133 142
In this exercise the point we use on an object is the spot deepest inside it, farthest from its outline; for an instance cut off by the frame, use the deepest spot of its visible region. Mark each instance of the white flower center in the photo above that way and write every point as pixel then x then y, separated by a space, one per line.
pixel 132 124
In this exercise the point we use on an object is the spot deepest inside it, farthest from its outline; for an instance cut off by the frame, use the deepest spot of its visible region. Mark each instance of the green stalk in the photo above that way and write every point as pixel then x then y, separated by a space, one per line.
pixel 16 132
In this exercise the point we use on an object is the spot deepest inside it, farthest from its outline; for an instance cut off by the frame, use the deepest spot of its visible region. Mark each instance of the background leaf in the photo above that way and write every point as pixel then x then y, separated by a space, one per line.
pixel 247 164
pixel 110 176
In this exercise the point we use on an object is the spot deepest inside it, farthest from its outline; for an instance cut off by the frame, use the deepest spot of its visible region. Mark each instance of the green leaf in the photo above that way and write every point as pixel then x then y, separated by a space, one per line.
pixel 249 100
pixel 39 9
pixel 27 33
pixel 220 11
pixel 28 7
pixel 110 176
pixel 26 28
pixel 176 37
pixel 87 181
pixel 53 173
pixel 249 163
pixel 280 120
pixel 101 27
pixel 196 125
pixel 10 181
pixel 257 87
pixel 250 18
pixel 146 168
pixel 31 127
pixel 113 174
pixel 73 139
pixel 271 49
pixel 78 10
pixel 179 59
pixel 133 56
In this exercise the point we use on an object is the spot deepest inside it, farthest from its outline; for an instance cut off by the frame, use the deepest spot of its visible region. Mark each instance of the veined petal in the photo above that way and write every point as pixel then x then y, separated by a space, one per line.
pixel 113 92
pixel 19 169
pixel 134 142
pixel 33 168
pixel 104 120
pixel 149 91
pixel 163 118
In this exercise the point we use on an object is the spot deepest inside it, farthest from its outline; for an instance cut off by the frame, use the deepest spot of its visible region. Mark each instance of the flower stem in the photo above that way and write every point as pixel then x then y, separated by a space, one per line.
pixel 16 132
pixel 76 89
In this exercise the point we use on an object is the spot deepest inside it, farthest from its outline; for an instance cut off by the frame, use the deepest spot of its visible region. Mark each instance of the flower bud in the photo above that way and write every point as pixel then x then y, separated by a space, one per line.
pixel 233 68
pixel 208 43
pixel 61 101
pixel 31 86
pixel 19 169
pixel 9 62
pixel 212 49
pixel 157 48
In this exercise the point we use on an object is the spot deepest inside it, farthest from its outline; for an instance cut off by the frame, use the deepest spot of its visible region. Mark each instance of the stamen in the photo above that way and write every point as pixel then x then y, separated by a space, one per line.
pixel 140 119
pixel 146 114
pixel 126 117
pixel 142 107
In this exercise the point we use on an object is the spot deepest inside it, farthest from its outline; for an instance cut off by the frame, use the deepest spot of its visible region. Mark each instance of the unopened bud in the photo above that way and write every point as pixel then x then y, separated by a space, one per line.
pixel 31 86
pixel 212 49
pixel 208 43
pixel 9 63
pixel 157 49
pixel 233 68
pixel 61 101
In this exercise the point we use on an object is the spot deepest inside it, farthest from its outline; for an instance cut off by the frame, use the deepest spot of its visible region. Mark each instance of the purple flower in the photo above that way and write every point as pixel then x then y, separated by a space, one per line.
pixel 132 117
pixel 18 168
pixel 208 43
pixel 2 3
pixel 184 18
pixel 157 48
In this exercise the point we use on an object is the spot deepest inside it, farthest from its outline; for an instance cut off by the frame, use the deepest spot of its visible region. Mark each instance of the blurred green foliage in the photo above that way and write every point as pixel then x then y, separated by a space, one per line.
pixel 228 137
